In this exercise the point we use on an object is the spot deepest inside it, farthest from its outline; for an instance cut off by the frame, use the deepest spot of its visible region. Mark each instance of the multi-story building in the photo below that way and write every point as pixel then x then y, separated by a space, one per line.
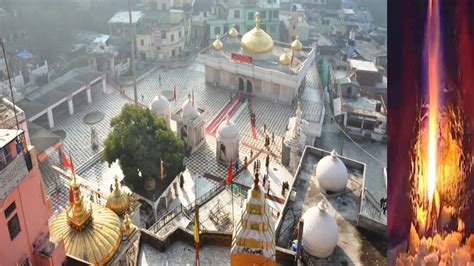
pixel 164 31
pixel 24 205
pixel 294 24
pixel 241 14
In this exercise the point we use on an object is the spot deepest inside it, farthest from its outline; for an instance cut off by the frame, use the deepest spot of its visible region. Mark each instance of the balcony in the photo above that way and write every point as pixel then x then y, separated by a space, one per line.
pixel 13 172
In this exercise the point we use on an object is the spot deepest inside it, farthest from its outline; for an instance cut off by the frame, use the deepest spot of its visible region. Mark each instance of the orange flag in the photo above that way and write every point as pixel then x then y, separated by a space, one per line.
pixel 229 174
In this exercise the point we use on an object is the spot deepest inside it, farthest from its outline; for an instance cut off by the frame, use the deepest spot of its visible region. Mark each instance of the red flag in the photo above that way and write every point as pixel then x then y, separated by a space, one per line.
pixel 229 174
pixel 71 196
pixel 71 164
pixel 66 163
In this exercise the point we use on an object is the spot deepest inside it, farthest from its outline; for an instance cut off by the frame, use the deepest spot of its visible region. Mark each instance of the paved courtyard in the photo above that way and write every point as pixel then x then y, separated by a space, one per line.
pixel 186 80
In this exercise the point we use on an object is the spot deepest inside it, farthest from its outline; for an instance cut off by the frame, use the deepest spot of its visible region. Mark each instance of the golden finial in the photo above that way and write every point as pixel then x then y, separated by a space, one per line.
pixel 233 32
pixel 127 224
pixel 284 58
pixel 116 183
pixel 78 215
pixel 257 20
pixel 296 44
pixel 217 44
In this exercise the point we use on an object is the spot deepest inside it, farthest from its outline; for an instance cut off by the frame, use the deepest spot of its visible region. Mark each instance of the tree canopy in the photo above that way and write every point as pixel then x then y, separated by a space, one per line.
pixel 139 140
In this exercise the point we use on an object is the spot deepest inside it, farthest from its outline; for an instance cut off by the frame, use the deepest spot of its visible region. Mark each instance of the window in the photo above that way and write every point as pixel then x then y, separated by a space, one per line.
pixel 142 42
pixel 263 14
pixel 173 52
pixel 154 6
pixel 236 13
pixel 355 122
pixel 172 37
pixel 275 13
pixel 9 210
pixel 14 227
pixel 217 30
pixel 250 16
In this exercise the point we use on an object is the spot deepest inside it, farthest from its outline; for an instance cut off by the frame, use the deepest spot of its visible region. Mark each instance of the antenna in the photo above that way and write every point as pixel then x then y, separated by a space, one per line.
pixel 9 81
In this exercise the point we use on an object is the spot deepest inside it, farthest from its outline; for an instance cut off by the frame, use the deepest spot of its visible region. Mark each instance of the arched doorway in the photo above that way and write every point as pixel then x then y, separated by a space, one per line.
pixel 241 84
pixel 249 86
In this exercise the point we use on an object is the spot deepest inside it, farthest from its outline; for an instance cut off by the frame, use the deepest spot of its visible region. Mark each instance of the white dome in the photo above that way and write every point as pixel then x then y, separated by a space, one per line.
pixel 228 130
pixel 188 110
pixel 331 173
pixel 320 232
pixel 160 105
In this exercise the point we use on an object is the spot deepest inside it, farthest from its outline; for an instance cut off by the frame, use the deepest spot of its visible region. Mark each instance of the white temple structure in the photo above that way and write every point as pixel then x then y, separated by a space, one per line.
pixel 228 138
pixel 294 140
pixel 190 124
pixel 331 173
pixel 161 106
pixel 320 231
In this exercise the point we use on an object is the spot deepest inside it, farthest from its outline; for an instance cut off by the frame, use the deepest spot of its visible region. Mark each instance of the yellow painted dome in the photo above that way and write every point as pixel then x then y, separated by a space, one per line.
pixel 257 40
pixel 233 32
pixel 217 44
pixel 296 44
pixel 92 234
pixel 284 58
pixel 118 201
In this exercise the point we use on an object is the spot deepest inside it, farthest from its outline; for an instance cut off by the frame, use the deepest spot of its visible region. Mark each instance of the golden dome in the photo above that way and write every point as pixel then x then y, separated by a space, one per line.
pixel 257 40
pixel 118 200
pixel 217 44
pixel 233 32
pixel 284 58
pixel 296 44
pixel 91 234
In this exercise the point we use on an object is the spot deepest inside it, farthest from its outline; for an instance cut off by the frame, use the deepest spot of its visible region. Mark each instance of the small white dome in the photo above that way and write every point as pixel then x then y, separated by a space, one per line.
pixel 160 105
pixel 188 110
pixel 228 130
pixel 320 232
pixel 331 173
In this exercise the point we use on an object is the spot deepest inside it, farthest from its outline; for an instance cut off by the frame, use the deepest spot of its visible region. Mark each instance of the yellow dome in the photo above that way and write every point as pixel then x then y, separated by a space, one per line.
pixel 257 40
pixel 284 58
pixel 217 44
pixel 92 234
pixel 296 44
pixel 233 32
pixel 118 200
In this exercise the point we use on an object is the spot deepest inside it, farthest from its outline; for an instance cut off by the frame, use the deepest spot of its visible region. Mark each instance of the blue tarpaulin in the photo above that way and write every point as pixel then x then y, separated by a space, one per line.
pixel 24 54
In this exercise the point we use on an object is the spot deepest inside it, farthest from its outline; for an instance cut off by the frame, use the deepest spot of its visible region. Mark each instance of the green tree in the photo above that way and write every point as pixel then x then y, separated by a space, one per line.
pixel 139 140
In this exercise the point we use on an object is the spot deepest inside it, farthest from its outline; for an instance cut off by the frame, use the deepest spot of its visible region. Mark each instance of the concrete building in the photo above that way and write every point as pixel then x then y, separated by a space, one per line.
pixel 164 32
pixel 24 206
pixel 251 64
pixel 331 234
pixel 241 14
pixel 294 25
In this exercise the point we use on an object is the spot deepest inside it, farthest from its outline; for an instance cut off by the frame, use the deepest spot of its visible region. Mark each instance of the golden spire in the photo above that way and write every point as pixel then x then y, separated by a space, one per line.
pixel 233 32
pixel 217 44
pixel 78 215
pixel 257 20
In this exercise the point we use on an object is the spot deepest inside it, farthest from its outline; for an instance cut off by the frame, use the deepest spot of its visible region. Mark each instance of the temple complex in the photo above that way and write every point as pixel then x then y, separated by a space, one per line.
pixel 255 64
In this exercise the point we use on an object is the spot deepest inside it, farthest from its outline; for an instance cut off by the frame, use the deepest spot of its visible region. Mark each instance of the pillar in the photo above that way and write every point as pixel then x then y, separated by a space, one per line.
pixel 50 118
pixel 70 104
pixel 89 95
pixel 104 84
